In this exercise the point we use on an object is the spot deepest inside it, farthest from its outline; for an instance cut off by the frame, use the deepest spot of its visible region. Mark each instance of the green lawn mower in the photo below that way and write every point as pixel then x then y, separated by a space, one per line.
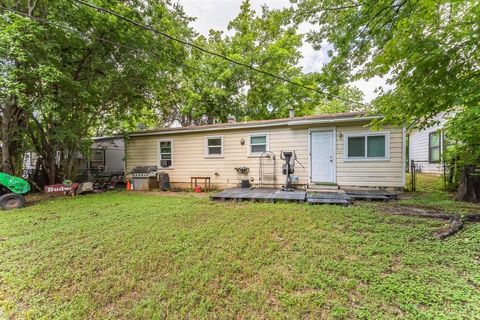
pixel 12 191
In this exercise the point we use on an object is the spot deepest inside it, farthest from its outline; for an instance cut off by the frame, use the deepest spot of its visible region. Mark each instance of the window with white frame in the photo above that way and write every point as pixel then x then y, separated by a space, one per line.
pixel 366 146
pixel 214 146
pixel 165 153
pixel 258 143
pixel 434 146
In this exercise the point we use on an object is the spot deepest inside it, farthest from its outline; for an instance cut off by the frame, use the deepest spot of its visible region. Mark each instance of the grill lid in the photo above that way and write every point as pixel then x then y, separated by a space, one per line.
pixel 145 169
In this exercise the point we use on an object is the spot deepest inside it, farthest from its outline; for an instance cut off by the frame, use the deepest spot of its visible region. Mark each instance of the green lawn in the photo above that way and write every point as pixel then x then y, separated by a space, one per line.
pixel 426 182
pixel 130 255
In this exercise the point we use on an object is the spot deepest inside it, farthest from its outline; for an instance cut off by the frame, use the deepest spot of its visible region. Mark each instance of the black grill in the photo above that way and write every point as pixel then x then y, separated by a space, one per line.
pixel 144 171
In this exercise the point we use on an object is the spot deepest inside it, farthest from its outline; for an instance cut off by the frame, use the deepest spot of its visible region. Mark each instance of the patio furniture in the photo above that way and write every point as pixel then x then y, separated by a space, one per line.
pixel 205 179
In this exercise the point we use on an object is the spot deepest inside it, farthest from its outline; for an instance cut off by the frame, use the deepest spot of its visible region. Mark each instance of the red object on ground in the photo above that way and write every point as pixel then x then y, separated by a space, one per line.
pixel 197 189
pixel 129 185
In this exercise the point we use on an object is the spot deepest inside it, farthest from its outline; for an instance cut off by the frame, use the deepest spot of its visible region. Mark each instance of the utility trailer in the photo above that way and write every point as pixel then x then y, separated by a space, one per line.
pixel 12 191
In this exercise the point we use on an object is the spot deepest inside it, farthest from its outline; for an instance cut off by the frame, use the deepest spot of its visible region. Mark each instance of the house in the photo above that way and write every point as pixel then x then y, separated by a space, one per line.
pixel 334 150
pixel 426 147
pixel 106 155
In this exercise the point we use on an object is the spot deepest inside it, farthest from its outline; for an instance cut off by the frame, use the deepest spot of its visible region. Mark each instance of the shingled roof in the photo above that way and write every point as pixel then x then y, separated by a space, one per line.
pixel 319 118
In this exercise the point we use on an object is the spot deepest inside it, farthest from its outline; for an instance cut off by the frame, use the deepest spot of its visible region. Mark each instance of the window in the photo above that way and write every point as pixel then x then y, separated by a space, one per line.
pixel 434 146
pixel 165 153
pixel 366 146
pixel 97 158
pixel 214 146
pixel 376 147
pixel 356 147
pixel 258 143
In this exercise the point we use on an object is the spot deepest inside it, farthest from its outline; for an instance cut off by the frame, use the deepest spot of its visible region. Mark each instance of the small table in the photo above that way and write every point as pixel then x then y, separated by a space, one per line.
pixel 205 179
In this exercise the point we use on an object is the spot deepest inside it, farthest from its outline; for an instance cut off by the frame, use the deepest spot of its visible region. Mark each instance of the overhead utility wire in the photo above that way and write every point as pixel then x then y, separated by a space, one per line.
pixel 97 37
pixel 103 39
pixel 109 41
pixel 197 47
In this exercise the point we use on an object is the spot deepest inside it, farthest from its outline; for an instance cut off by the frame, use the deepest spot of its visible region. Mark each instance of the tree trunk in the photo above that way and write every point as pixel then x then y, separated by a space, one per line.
pixel 68 165
pixel 51 171
pixel 469 187
pixel 7 115
pixel 6 167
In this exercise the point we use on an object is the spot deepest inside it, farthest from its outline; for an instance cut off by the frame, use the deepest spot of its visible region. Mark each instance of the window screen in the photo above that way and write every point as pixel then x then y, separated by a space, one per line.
pixel 376 146
pixel 356 147
pixel 367 146
pixel 258 143
pixel 165 154
pixel 214 146
pixel 434 150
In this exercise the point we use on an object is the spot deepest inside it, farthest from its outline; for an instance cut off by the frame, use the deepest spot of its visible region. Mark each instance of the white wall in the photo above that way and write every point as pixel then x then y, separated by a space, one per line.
pixel 418 147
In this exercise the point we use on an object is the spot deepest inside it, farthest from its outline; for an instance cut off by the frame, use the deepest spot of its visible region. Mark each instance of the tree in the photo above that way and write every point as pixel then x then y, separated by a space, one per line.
pixel 336 105
pixel 268 41
pixel 71 70
pixel 427 49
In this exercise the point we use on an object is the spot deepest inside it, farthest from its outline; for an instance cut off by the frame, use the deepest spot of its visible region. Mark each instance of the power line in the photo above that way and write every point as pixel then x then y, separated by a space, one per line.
pixel 113 43
pixel 197 47
pixel 97 37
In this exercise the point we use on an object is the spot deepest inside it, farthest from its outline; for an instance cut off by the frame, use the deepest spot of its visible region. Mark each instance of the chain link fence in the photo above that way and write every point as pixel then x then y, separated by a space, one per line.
pixel 427 176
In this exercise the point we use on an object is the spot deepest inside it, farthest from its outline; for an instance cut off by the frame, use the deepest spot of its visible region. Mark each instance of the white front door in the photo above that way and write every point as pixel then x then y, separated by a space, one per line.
pixel 322 156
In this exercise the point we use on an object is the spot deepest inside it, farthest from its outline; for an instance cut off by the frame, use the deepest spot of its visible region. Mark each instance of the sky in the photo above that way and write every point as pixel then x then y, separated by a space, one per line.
pixel 215 14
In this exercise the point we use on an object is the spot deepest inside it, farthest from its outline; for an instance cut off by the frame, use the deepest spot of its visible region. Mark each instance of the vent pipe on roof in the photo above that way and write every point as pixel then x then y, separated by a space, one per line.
pixel 291 113
pixel 231 119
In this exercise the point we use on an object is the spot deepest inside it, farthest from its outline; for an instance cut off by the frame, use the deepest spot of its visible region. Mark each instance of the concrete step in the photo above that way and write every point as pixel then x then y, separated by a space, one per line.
pixel 321 187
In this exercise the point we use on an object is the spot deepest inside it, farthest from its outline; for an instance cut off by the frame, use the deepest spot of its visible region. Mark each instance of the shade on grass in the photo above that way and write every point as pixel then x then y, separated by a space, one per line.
pixel 121 255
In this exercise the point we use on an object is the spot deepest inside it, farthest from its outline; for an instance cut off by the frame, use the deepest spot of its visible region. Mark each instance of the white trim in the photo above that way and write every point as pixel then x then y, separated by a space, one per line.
pixel 404 155
pixel 334 145
pixel 259 134
pixel 366 134
pixel 257 125
pixel 213 156
pixel 159 157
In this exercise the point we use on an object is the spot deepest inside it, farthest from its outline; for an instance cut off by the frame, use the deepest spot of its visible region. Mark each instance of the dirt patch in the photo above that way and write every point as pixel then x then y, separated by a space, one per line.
pixel 35 198
pixel 418 211
pixel 456 222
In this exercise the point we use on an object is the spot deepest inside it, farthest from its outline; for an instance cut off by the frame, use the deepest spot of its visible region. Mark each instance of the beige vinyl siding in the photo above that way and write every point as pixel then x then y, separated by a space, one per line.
pixel 189 157
pixel 371 173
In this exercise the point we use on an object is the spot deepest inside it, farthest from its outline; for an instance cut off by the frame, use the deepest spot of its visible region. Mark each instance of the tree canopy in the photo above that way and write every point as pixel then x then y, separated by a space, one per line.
pixel 267 41
pixel 64 73
pixel 70 72
pixel 428 50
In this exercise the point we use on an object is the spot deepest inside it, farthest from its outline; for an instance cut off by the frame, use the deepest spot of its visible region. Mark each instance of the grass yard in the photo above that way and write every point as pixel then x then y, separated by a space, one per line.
pixel 138 256
pixel 426 182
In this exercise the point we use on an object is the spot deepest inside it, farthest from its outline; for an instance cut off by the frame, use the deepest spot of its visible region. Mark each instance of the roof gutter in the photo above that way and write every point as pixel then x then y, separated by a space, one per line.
pixel 206 129
pixel 319 121
pixel 261 125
